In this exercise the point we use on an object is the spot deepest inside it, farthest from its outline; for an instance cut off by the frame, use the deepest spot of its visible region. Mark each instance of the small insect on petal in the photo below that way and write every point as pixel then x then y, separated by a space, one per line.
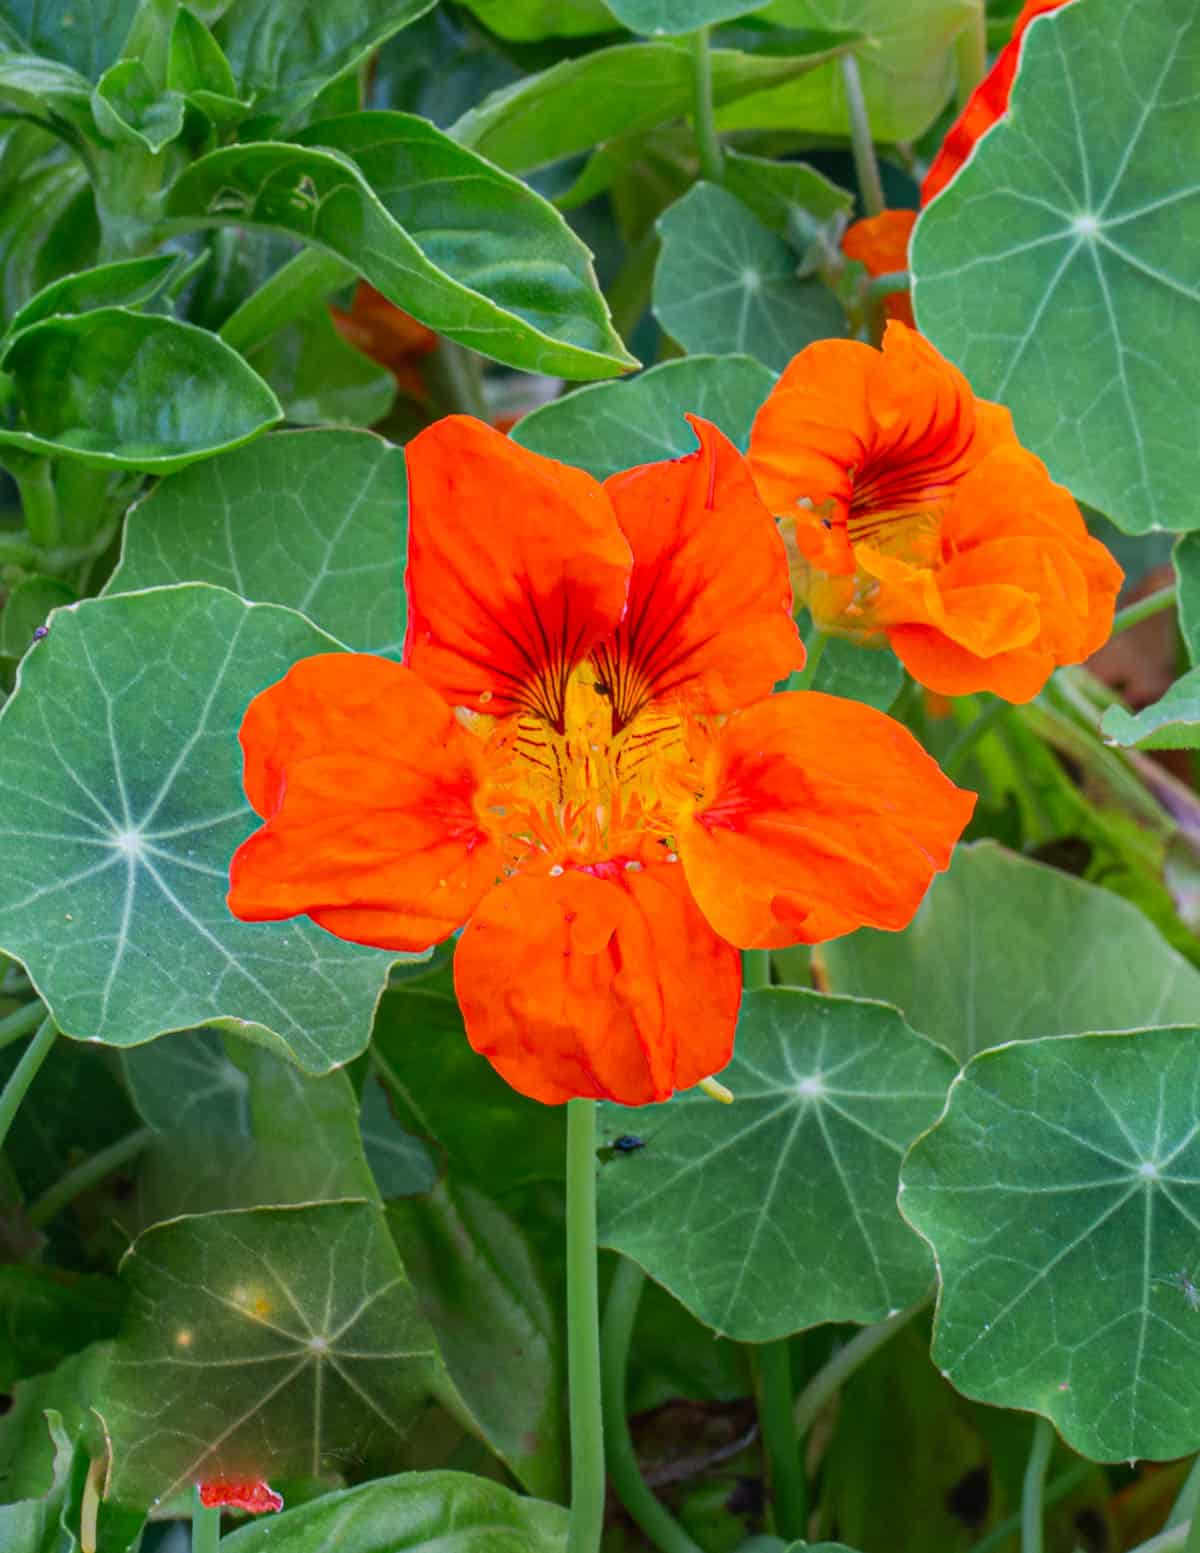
pixel 249 1494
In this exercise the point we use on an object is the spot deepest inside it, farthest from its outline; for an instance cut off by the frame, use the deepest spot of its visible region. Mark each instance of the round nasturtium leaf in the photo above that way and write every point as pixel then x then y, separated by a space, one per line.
pixel 454 1512
pixel 608 427
pixel 1058 269
pixel 1060 1193
pixel 726 282
pixel 120 774
pixel 779 1211
pixel 259 1343
pixel 1005 949
pixel 316 520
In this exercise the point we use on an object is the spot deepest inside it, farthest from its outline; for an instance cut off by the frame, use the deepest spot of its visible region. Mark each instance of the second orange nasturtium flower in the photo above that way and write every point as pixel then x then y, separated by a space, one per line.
pixel 581 755
pixel 919 516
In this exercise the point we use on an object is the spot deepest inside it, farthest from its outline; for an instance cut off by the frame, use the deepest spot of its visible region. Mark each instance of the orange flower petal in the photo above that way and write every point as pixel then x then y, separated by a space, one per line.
pixel 821 815
pixel 605 983
pixel 367 783
pixel 942 665
pixel 516 569
pixel 249 1494
pixel 709 617
pixel 987 103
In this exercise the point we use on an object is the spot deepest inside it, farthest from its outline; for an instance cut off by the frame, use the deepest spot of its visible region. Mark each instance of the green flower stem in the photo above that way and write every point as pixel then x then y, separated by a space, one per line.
pixel 89 1173
pixel 756 969
pixel 20 1022
pixel 630 1486
pixel 1065 1483
pixel 39 500
pixel 785 1466
pixel 583 1333
pixel 888 284
pixel 960 751
pixel 712 158
pixel 970 54
pixel 801 679
pixel 870 187
pixel 206 1525
pixel 292 292
pixel 844 1363
pixel 1033 1488
pixel 1153 604
pixel 455 377
pixel 24 1074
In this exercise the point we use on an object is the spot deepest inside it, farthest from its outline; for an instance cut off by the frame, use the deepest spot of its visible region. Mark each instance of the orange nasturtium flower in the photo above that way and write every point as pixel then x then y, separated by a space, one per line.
pixel 581 758
pixel 987 103
pixel 920 517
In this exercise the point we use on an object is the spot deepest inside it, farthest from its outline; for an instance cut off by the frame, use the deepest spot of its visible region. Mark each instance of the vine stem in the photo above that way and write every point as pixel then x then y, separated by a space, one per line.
pixel 756 969
pixel 976 730
pixel 620 1313
pixel 1033 1487
pixel 1142 609
pixel 870 186
pixel 20 1022
pixel 789 1487
pixel 24 1074
pixel 814 648
pixel 712 158
pixel 583 1333
pixel 206 1525
pixel 90 1172
pixel 844 1363
pixel 1001 1534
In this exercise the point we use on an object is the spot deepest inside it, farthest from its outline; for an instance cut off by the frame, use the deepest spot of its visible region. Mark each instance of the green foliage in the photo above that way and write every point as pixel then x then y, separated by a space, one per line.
pixel 1064 292
pixel 724 282
pixel 1089 960
pixel 1058 1196
pixel 119 827
pixel 778 1211
pixel 613 426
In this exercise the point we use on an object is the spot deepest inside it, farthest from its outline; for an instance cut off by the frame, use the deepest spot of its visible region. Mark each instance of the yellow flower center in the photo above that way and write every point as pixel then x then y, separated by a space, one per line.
pixel 589 795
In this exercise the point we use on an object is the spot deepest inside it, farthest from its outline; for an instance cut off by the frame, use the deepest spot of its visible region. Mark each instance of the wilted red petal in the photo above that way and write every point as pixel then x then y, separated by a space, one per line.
pixel 819 815
pixel 252 1495
pixel 516 569
pixel 367 783
pixel 605 982
pixel 709 614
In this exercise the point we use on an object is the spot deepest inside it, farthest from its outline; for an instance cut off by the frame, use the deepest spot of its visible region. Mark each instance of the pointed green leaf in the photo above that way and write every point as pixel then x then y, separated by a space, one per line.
pixel 284 51
pixel 52 93
pixel 316 520
pixel 120 390
pixel 445 1092
pixel 502 274
pixel 656 17
pixel 272 1342
pixel 779 1211
pixel 130 110
pixel 1088 959
pixel 449 1512
pixel 1173 723
pixel 906 68
pixel 529 20
pixel 1056 270
pixel 613 426
pixel 85 34
pixel 578 103
pixel 127 283
pixel 195 60
pixel 1061 1195
pixel 48 221
pixel 478 1281
pixel 123 803
pixel 724 282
